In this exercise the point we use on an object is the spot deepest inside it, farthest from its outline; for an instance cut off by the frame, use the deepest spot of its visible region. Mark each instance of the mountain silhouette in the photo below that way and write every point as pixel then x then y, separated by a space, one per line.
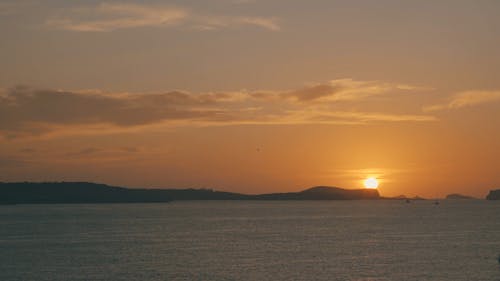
pixel 84 192
pixel 75 192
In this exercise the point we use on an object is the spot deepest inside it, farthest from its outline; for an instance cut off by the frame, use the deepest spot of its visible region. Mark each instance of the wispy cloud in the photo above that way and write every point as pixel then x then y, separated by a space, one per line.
pixel 365 117
pixel 27 111
pixel 107 17
pixel 267 23
pixel 345 90
pixel 466 99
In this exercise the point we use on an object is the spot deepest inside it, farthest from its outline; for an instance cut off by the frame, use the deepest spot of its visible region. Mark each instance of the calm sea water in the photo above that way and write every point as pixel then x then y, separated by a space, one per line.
pixel 242 240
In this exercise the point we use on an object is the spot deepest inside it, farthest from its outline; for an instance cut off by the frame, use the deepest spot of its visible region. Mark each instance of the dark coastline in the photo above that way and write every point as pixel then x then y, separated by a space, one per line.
pixel 83 192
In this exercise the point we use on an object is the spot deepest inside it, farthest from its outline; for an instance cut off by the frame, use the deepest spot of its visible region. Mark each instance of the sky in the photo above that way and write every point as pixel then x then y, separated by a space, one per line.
pixel 253 96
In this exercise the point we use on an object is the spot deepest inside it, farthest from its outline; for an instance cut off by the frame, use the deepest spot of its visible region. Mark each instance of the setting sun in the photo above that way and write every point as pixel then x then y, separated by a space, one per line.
pixel 371 183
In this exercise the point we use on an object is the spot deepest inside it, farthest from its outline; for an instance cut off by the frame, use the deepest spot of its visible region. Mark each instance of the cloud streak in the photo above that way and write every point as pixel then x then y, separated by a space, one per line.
pixel 117 16
pixel 27 111
pixel 345 90
pixel 107 17
pixel 466 99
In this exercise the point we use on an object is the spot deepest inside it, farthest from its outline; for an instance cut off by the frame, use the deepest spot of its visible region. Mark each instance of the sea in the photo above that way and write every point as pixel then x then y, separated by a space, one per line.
pixel 252 240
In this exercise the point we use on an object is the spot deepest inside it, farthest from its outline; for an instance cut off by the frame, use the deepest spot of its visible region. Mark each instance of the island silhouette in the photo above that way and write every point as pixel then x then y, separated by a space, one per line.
pixel 494 195
pixel 86 192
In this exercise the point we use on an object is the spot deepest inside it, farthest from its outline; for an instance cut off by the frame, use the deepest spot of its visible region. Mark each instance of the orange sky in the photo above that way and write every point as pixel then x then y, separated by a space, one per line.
pixel 253 96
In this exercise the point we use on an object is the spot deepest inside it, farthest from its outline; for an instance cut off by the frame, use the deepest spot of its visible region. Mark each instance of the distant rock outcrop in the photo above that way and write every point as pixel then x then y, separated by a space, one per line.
pixel 322 193
pixel 494 195
pixel 458 196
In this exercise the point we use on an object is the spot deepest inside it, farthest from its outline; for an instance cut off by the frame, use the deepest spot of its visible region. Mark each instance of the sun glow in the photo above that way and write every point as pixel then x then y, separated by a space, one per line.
pixel 371 183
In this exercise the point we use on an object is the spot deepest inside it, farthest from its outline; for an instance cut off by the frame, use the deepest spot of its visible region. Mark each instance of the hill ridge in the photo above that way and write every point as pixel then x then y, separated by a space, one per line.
pixel 87 192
